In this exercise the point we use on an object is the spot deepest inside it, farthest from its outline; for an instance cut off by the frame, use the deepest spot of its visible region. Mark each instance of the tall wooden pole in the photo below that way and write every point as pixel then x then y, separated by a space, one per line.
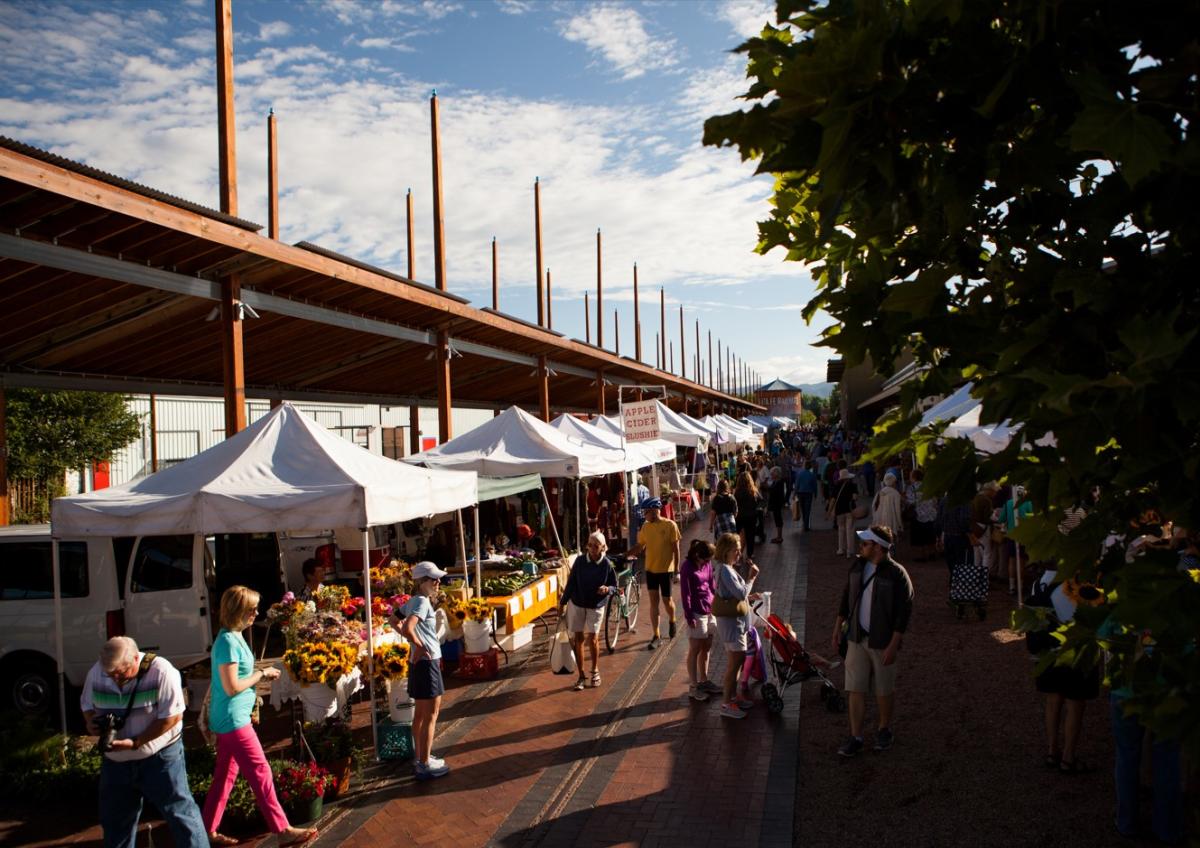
pixel 414 429
pixel 549 303
pixel 233 366
pixel 439 213
pixel 672 359
pixel 495 277
pixel 601 402
pixel 5 516
pixel 657 353
pixel 711 384
pixel 153 434
pixel 720 368
pixel 272 177
pixel 412 263
pixel 682 346
pixel 617 332
pixel 537 248
pixel 698 376
pixel 587 320
pixel 544 389
pixel 599 293
pixel 442 377
pixel 662 320
pixel 637 318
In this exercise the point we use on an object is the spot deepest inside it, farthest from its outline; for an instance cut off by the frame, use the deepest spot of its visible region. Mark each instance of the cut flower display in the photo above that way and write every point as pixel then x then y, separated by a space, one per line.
pixel 391 661
pixel 320 662
pixel 303 782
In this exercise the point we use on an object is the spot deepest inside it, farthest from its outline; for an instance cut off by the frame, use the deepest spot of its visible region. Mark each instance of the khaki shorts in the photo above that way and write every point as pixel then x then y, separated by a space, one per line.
pixel 865 664
pixel 705 627
pixel 584 619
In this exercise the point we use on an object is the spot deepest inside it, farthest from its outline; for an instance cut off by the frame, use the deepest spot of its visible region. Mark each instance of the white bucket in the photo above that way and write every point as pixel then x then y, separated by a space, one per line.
pixel 400 708
pixel 320 702
pixel 477 636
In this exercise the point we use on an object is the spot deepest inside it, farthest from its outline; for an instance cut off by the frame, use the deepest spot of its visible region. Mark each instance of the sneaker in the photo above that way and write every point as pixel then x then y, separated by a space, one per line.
pixel 883 739
pixel 423 771
pixel 653 643
pixel 671 629
pixel 710 687
pixel 731 711
pixel 435 762
pixel 851 747
pixel 744 704
pixel 696 693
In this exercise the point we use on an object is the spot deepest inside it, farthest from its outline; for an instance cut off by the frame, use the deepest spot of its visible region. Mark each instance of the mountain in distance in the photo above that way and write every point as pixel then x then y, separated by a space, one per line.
pixel 822 390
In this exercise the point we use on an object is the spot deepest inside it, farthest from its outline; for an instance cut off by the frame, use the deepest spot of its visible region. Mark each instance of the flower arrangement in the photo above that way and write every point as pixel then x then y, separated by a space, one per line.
pixel 302 782
pixel 456 611
pixel 320 662
pixel 395 578
pixel 329 740
pixel 391 661
pixel 353 608
pixel 284 609
pixel 477 609
pixel 1083 594
pixel 311 626
pixel 332 598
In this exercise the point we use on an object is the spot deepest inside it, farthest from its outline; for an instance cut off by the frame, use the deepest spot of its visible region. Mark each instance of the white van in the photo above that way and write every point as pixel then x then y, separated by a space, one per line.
pixel 161 590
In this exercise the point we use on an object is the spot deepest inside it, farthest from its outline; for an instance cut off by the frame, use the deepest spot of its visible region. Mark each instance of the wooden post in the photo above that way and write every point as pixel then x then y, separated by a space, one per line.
pixel 226 125
pixel 445 431
pixel 233 364
pixel 414 429
pixel 710 361
pixel 682 348
pixel 657 353
pixel 637 319
pixel 544 388
pixel 495 278
pixel 5 516
pixel 549 303
pixel 697 377
pixel 153 434
pixel 617 332
pixel 672 359
pixel 662 320
pixel 600 400
pixel 587 320
pixel 537 248
pixel 439 213
pixel 599 295
pixel 272 177
pixel 412 265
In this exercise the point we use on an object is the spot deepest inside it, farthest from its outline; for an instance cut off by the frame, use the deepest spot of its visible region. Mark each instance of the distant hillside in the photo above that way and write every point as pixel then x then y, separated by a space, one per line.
pixel 822 390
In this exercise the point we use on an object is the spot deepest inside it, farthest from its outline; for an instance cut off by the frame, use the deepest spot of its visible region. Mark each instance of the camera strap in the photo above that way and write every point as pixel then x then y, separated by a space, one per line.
pixel 143 667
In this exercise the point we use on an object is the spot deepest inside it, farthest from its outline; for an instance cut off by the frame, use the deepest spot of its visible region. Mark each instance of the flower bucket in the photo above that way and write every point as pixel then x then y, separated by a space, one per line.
pixel 303 812
pixel 400 707
pixel 477 636
pixel 320 702
pixel 341 769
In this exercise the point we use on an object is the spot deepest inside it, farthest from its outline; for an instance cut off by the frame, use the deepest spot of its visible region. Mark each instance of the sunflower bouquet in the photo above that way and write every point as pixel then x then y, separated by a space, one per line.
pixel 395 578
pixel 456 611
pixel 284 609
pixel 1082 593
pixel 332 598
pixel 391 661
pixel 320 662
pixel 477 609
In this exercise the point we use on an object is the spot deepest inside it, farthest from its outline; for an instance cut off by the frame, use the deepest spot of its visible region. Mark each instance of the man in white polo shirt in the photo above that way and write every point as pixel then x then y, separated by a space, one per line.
pixel 145 759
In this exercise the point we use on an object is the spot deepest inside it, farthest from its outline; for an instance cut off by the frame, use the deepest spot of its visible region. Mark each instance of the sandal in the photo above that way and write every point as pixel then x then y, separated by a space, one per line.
pixel 595 679
pixel 308 836
pixel 221 839
pixel 579 684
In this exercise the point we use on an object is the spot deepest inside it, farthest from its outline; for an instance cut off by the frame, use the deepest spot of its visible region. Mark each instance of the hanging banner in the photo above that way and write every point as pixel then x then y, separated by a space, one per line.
pixel 639 420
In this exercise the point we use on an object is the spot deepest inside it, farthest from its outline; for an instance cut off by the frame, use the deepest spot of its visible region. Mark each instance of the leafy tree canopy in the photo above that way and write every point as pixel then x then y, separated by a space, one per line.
pixel 50 432
pixel 1008 188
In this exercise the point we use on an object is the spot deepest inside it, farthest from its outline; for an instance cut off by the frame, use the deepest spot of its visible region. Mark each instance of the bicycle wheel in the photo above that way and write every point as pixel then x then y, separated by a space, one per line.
pixel 612 622
pixel 632 598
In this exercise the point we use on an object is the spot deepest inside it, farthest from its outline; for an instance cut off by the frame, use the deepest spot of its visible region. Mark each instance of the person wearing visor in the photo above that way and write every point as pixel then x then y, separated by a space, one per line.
pixel 875 610
pixel 425 686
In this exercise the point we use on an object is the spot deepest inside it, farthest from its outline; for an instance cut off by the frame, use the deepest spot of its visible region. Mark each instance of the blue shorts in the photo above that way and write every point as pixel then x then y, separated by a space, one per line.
pixel 425 680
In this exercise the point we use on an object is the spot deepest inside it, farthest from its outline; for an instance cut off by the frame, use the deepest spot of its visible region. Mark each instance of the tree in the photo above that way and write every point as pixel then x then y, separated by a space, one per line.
pixel 50 432
pixel 1008 188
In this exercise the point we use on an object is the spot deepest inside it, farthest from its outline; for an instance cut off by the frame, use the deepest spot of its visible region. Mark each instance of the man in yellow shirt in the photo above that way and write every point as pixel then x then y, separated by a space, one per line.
pixel 659 538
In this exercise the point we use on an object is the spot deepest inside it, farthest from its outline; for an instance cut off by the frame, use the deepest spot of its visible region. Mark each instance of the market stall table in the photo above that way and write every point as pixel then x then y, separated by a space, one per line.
pixel 320 702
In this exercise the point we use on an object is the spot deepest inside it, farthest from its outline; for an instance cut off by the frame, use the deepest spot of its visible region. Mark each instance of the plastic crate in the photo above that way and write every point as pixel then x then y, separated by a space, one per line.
pixel 483 666
pixel 451 651
pixel 395 740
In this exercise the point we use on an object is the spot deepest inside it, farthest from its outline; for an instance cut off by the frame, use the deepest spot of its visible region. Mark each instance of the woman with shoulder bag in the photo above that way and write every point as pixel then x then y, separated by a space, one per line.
pixel 731 606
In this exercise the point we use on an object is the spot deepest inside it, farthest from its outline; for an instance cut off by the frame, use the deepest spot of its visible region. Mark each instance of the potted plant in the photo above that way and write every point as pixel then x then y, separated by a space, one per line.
pixel 332 744
pixel 301 788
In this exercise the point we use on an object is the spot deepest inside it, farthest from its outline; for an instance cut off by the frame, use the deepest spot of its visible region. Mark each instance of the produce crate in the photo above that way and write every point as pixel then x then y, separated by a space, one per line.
pixel 483 666
pixel 395 740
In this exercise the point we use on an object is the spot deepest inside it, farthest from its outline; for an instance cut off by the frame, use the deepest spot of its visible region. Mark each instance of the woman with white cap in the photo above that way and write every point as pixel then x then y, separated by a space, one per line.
pixel 845 494
pixel 888 507
pixel 425 685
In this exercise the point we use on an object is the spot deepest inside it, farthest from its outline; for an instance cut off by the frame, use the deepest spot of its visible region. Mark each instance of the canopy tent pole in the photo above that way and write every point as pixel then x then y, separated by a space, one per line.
pixel 462 538
pixel 366 538
pixel 58 636
pixel 1017 551
pixel 550 518
pixel 578 520
pixel 478 554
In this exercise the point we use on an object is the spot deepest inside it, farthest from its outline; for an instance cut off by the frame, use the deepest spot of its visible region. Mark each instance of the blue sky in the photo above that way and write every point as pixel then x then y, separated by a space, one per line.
pixel 604 102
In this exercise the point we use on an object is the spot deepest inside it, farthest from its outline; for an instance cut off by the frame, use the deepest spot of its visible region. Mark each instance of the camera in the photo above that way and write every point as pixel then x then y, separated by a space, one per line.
pixel 108 725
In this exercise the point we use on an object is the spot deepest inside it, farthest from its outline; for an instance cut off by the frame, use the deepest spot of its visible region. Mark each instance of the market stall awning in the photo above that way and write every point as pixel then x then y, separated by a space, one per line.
pixel 285 472
pixel 491 488
pixel 637 454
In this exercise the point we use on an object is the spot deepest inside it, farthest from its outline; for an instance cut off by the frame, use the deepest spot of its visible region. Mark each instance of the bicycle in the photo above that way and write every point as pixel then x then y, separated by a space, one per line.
pixel 622 606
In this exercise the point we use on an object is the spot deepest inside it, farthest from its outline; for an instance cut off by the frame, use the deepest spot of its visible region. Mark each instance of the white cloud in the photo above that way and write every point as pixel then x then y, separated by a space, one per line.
pixel 618 34
pixel 515 7
pixel 747 17
pixel 274 29
pixel 807 365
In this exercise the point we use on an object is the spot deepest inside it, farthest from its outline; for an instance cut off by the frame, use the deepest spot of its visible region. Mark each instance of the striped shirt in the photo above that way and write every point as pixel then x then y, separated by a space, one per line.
pixel 159 695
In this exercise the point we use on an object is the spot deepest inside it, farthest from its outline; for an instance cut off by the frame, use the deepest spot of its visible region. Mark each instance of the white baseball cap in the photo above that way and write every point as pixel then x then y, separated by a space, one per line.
pixel 427 569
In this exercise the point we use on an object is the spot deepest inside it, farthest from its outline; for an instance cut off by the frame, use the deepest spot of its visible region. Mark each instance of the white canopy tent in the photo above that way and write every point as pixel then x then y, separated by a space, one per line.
pixel 951 407
pixel 671 428
pixel 284 472
pixel 637 454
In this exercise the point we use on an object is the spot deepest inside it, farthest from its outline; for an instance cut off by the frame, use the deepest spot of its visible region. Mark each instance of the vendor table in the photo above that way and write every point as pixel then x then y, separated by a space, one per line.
pixel 315 696
pixel 529 603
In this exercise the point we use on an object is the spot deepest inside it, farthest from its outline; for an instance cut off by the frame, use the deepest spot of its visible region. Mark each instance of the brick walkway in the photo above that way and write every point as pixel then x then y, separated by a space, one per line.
pixel 635 762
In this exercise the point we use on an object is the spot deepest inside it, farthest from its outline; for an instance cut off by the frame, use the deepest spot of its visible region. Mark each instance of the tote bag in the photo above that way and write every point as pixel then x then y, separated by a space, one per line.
pixel 562 658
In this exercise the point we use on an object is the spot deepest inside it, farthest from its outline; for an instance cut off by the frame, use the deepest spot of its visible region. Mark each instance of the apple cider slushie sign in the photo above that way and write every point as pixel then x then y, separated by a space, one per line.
pixel 640 420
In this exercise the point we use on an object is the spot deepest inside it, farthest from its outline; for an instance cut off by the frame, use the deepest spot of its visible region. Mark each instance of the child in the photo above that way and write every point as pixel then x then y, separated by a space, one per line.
pixel 696 591
pixel 425 684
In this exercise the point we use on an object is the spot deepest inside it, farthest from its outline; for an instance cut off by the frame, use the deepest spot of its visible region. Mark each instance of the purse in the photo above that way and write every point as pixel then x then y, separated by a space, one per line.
pixel 562 657
pixel 844 639
pixel 729 607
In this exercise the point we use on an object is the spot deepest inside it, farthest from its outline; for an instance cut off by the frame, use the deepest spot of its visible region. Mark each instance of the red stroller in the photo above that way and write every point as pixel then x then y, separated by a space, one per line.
pixel 791 664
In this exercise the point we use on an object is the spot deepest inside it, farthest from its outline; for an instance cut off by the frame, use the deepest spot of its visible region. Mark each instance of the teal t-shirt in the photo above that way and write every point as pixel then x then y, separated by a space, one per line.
pixel 226 714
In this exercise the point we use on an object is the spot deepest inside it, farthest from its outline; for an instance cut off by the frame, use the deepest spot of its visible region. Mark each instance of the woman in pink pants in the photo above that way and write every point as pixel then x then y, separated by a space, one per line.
pixel 231 702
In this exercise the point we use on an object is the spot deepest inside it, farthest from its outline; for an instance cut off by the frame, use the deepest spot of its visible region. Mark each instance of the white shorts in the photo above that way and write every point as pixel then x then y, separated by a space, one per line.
pixel 706 625
pixel 584 619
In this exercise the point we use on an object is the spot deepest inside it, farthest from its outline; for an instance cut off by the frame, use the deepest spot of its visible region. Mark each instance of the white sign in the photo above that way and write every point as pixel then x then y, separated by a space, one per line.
pixel 640 420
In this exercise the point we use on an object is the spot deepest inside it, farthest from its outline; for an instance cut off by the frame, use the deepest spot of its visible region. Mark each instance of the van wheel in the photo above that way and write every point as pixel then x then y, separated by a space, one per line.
pixel 31 687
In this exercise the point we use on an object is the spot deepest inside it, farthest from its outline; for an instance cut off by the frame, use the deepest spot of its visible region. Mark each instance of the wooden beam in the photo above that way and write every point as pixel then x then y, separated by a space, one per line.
pixel 439 214
pixel 543 379
pixel 408 207
pixel 442 377
pixel 637 319
pixel 115 328
pixel 233 365
pixel 599 293
pixel 272 177
pixel 226 122
pixel 5 516
pixel 537 249
pixel 414 429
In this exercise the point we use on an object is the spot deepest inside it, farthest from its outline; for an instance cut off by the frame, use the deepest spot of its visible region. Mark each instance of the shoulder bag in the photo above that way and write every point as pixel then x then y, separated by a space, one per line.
pixel 729 607
pixel 844 640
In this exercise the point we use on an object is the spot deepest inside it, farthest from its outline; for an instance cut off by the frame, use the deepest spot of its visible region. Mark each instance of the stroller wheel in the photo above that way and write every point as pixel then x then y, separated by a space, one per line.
pixel 771 697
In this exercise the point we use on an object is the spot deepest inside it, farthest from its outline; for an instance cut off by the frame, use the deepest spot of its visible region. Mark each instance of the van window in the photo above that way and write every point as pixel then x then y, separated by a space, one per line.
pixel 25 570
pixel 162 563
pixel 122 551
